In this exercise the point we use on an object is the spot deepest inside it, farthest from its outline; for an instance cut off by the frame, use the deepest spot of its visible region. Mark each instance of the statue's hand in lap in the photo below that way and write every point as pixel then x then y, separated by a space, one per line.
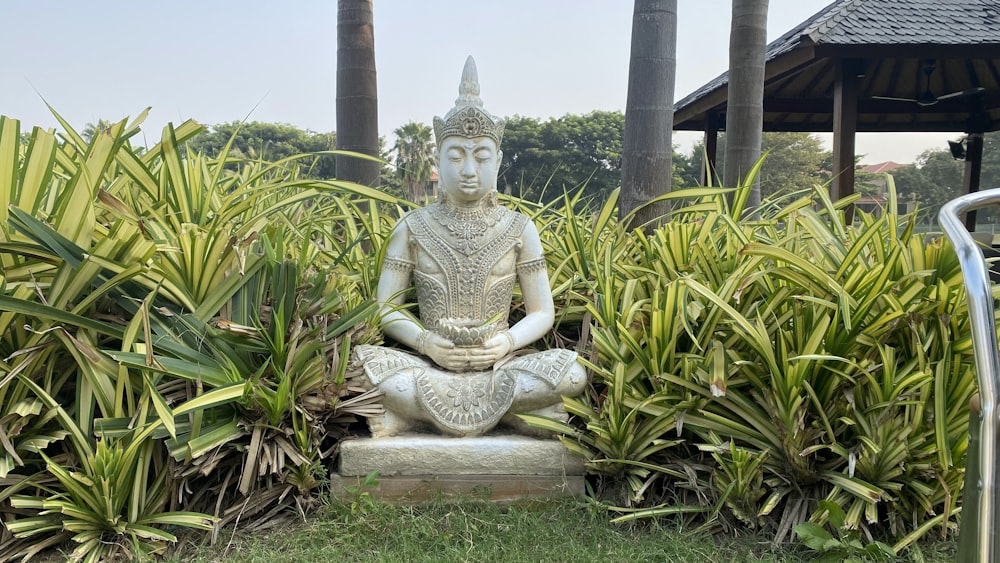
pixel 446 354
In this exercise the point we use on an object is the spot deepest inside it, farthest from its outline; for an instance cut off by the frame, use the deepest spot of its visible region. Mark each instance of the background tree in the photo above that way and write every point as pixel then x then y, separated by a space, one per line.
pixel 745 105
pixel 357 92
pixel 649 109
pixel 687 169
pixel 794 161
pixel 270 142
pixel 990 174
pixel 389 182
pixel 414 152
pixel 990 177
pixel 932 180
pixel 527 159
pixel 91 129
pixel 937 177
pixel 541 159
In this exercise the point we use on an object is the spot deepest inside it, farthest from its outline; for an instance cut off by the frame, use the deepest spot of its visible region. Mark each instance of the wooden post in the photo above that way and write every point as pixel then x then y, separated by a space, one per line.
pixel 973 170
pixel 709 170
pixel 845 125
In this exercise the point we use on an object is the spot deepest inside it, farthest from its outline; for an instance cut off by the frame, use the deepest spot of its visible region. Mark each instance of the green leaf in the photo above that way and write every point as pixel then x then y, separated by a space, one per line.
pixel 150 533
pixel 33 525
pixel 162 408
pixel 660 511
pixel 186 519
pixel 853 485
pixel 211 374
pixel 53 314
pixel 834 512
pixel 813 535
pixel 47 237
pixel 10 138
pixel 213 398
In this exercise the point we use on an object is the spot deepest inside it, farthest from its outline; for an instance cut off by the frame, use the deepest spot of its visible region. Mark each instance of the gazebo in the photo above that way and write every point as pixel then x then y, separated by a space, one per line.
pixel 874 66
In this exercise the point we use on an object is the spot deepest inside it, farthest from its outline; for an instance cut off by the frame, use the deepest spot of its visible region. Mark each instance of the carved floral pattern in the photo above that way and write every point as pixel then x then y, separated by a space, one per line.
pixel 433 298
pixel 466 394
pixel 498 296
pixel 466 403
pixel 462 283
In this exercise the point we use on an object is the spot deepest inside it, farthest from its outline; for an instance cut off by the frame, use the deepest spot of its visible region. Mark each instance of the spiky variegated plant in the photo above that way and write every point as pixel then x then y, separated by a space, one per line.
pixel 157 307
pixel 175 330
pixel 787 354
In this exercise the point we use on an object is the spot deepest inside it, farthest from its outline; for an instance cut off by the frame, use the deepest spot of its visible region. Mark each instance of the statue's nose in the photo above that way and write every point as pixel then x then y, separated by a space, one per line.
pixel 468 170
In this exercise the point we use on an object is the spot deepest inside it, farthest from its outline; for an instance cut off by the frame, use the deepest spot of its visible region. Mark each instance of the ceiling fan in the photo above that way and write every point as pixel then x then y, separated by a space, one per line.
pixel 928 98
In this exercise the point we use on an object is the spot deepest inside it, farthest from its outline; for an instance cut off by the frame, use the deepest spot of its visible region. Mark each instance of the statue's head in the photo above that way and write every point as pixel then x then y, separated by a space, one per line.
pixel 468 144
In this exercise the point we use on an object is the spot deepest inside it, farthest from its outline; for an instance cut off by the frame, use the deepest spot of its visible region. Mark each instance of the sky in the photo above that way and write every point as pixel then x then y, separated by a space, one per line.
pixel 218 61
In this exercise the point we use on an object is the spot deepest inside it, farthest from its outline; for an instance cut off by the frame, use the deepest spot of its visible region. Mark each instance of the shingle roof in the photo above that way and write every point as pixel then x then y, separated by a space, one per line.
pixel 885 22
pixel 895 43
pixel 881 168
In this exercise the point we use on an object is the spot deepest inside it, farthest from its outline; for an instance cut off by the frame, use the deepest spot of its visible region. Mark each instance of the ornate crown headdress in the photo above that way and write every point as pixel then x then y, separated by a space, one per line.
pixel 468 118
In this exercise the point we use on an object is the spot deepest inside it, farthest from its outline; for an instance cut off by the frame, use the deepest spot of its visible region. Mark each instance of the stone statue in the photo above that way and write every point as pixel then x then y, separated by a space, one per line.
pixel 463 256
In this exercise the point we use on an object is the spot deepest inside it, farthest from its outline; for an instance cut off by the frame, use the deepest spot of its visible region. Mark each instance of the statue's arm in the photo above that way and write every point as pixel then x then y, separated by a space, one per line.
pixel 534 280
pixel 393 286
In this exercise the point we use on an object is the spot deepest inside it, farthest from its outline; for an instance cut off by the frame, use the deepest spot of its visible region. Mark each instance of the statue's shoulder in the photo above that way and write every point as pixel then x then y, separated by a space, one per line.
pixel 525 225
pixel 416 221
pixel 516 217
pixel 411 220
pixel 408 216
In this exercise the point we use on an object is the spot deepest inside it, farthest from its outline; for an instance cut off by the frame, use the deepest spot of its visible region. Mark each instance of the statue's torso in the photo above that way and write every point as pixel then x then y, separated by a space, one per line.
pixel 465 264
pixel 464 269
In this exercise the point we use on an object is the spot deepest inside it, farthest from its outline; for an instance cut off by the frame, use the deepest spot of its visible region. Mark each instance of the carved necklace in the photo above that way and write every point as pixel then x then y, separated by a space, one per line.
pixel 467 225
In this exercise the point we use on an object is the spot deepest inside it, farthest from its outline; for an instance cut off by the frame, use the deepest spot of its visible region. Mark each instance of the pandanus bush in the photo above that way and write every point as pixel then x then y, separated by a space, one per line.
pixel 748 367
pixel 175 331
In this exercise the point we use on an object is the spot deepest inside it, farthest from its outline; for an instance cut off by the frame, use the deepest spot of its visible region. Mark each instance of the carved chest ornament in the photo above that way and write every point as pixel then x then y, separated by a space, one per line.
pixel 467 226
pixel 465 248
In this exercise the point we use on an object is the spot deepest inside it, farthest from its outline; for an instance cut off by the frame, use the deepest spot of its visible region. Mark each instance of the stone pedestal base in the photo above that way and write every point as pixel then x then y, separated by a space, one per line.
pixel 497 467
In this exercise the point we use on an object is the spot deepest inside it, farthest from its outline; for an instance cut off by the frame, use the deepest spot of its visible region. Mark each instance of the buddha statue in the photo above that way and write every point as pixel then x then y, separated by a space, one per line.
pixel 463 256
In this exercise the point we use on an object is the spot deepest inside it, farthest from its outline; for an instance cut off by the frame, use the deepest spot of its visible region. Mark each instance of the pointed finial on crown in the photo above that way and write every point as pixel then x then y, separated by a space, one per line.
pixel 468 88
pixel 468 118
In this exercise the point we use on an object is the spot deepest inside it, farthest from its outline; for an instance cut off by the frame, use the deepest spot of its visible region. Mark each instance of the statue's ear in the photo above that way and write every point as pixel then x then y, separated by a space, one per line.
pixel 499 156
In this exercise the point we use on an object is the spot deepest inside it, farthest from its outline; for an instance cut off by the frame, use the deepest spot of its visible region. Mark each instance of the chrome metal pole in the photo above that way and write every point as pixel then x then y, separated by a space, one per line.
pixel 982 522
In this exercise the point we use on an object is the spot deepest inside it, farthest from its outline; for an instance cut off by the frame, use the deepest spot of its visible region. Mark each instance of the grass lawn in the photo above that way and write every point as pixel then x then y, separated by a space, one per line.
pixel 360 529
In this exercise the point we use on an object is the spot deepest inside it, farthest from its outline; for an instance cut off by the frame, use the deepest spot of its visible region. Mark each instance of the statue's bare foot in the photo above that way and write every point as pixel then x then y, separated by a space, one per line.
pixel 555 412
pixel 387 424
pixel 517 424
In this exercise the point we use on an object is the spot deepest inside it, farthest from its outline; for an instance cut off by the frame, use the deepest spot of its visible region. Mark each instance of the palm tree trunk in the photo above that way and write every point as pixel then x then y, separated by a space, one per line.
pixel 415 191
pixel 745 107
pixel 357 92
pixel 649 110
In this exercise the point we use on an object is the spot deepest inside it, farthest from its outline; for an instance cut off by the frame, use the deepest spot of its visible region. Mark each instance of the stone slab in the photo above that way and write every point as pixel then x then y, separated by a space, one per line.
pixel 422 455
pixel 492 487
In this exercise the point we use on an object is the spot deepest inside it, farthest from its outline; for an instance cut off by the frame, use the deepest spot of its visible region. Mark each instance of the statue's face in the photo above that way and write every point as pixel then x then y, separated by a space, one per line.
pixel 467 168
